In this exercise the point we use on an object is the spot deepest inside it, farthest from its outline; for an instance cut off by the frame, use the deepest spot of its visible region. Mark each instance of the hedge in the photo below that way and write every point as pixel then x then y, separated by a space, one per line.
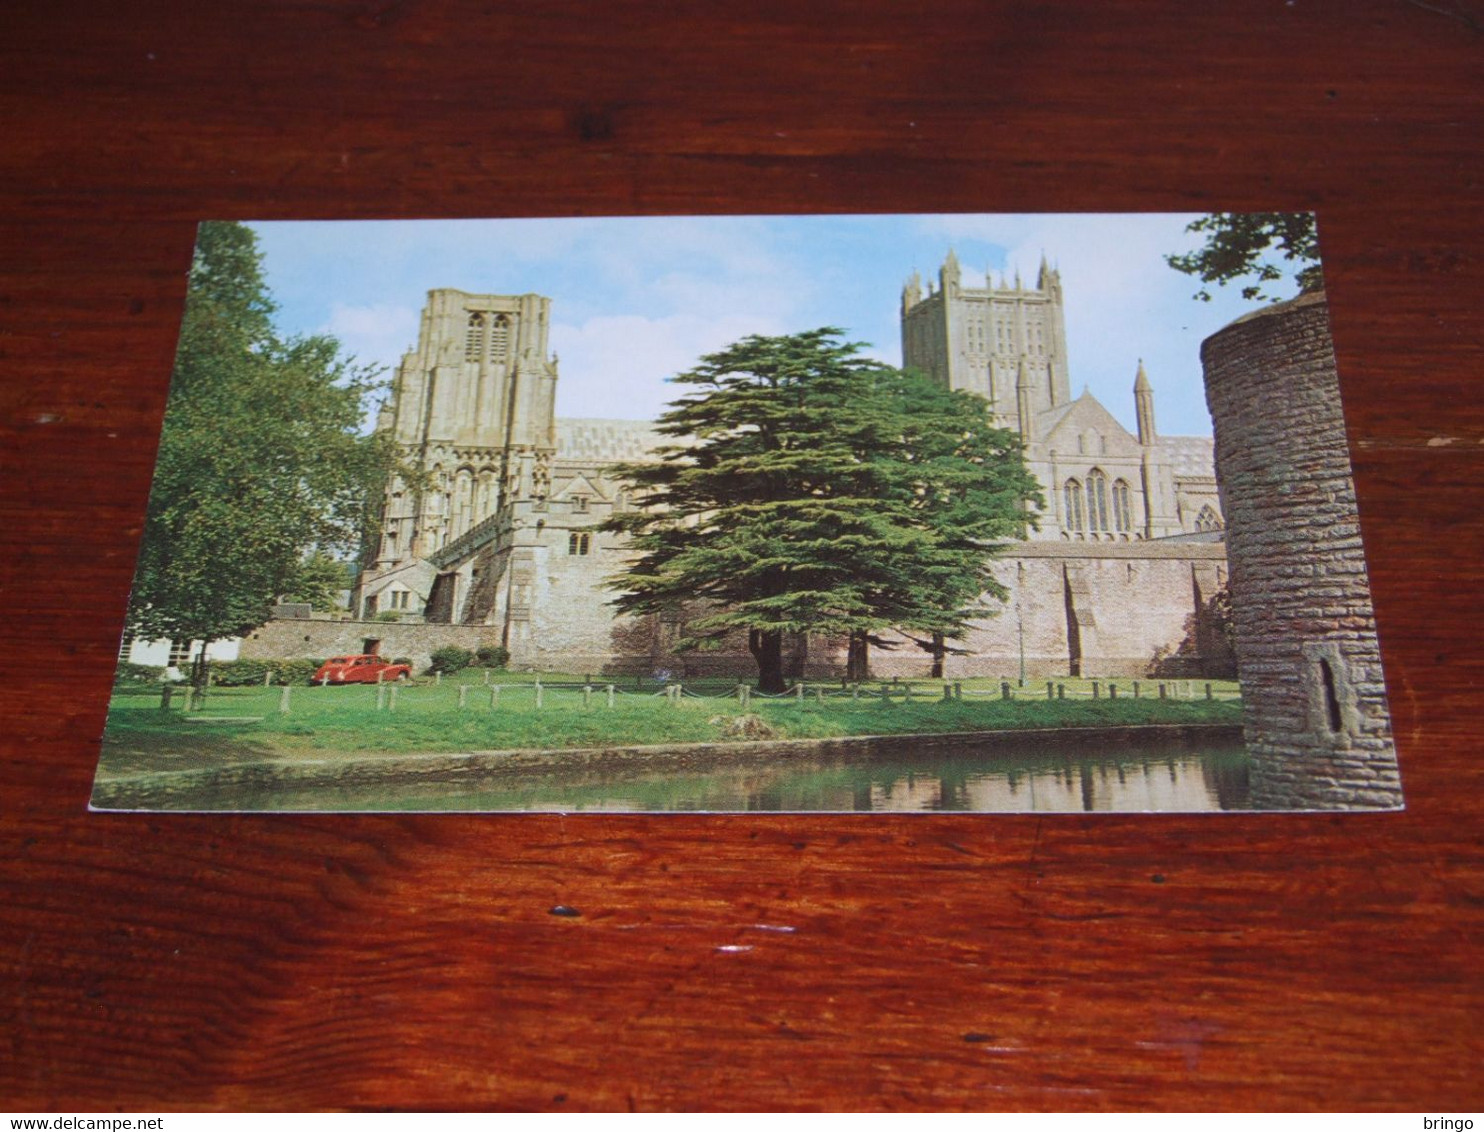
pixel 241 673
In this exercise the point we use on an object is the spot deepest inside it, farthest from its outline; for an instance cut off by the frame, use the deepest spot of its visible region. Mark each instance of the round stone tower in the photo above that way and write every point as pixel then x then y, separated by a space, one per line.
pixel 1314 698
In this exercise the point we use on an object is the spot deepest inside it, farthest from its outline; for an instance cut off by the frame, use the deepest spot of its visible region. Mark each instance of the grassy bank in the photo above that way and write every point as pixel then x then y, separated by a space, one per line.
pixel 247 722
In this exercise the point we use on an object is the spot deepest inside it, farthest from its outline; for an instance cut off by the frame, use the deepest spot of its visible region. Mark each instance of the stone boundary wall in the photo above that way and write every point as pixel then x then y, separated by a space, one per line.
pixel 294 639
pixel 1131 600
pixel 1307 655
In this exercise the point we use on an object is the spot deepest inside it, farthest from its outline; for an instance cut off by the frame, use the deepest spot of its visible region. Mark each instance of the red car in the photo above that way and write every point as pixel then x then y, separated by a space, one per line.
pixel 365 669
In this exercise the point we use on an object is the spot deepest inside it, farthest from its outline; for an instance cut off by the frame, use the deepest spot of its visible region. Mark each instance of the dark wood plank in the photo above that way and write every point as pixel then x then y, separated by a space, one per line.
pixel 900 962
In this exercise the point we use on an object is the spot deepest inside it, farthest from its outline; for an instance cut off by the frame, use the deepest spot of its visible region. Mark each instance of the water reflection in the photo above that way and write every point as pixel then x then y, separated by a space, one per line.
pixel 1171 780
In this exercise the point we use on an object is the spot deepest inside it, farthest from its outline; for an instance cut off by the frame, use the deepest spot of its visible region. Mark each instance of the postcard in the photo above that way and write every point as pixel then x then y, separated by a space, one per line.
pixel 933 513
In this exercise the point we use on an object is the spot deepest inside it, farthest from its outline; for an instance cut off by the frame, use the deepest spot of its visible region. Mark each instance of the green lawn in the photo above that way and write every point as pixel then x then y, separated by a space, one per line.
pixel 427 716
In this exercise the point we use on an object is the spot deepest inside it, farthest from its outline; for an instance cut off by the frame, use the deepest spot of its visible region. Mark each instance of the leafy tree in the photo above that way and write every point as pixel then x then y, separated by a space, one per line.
pixel 1238 247
pixel 802 495
pixel 261 456
pixel 320 581
pixel 967 482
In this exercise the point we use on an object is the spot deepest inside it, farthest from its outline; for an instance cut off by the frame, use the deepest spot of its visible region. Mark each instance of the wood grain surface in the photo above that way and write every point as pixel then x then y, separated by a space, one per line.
pixel 855 962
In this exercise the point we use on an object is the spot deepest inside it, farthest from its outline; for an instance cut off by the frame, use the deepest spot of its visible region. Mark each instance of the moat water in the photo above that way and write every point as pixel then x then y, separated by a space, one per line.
pixel 1155 777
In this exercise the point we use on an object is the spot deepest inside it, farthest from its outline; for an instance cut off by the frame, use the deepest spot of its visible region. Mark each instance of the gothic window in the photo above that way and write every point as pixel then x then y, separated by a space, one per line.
pixel 1076 519
pixel 499 337
pixel 579 503
pixel 1123 515
pixel 1097 501
pixel 1208 519
pixel 579 542
pixel 474 337
pixel 398 599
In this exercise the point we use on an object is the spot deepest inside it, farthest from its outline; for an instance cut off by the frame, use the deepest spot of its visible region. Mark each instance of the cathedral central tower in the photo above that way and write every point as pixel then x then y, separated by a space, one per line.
pixel 979 339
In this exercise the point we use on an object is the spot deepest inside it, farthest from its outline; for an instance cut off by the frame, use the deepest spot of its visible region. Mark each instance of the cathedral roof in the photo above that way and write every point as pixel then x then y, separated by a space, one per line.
pixel 605 441
pixel 1189 455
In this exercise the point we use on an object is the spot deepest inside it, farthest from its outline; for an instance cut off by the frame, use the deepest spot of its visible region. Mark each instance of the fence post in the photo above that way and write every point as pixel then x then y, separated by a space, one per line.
pixel 486 675
pixel 1050 690
pixel 587 696
pixel 958 690
pixel 494 696
pixel 947 693
pixel 540 694
pixel 463 695
pixel 283 699
pixel 1209 696
pixel 885 693
pixel 799 691
pixel 391 698
pixel 855 691
pixel 437 679
pixel 380 695
pixel 267 677
pixel 1136 689
pixel 1004 689
pixel 1112 691
pixel 166 691
pixel 1094 689
pixel 610 695
pixel 1161 691
pixel 1061 691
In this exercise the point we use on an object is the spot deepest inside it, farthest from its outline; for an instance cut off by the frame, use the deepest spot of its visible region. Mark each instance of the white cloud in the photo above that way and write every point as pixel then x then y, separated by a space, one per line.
pixel 617 366
pixel 376 334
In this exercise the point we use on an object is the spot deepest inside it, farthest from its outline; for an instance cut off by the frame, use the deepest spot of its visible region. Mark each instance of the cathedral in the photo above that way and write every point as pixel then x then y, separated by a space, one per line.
pixel 496 529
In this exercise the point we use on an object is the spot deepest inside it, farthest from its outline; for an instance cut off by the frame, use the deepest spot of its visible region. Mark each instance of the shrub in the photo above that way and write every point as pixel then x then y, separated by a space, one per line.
pixel 450 658
pixel 492 656
pixel 242 673
pixel 388 616
pixel 407 660
pixel 130 673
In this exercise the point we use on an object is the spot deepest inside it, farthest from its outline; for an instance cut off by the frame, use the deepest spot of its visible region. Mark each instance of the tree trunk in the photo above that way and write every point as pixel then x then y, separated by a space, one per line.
pixel 940 650
pixel 858 657
pixel 198 668
pixel 766 646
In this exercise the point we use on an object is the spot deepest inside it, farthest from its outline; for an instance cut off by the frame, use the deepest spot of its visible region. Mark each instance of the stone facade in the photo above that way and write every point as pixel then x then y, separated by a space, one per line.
pixel 500 532
pixel 1102 483
pixel 1314 697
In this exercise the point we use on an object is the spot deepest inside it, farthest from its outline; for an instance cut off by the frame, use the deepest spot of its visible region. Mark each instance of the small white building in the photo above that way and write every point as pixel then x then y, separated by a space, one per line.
pixel 177 654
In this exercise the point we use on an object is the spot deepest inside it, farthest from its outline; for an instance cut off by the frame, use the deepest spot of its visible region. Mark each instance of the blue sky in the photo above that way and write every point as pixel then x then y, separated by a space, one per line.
pixel 637 299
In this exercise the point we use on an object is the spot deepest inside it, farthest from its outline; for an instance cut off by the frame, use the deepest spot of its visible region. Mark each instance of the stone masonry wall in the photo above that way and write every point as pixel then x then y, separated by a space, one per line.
pixel 286 640
pixel 1131 600
pixel 1314 698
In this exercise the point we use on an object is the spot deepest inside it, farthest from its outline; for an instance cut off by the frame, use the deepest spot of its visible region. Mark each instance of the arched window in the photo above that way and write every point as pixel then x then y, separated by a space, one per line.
pixel 499 337
pixel 474 337
pixel 1076 519
pixel 1097 501
pixel 1123 513
pixel 1208 519
pixel 579 542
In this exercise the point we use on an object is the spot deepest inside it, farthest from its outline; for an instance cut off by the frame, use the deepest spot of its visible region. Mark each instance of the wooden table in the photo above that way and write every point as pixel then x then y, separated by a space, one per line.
pixel 855 962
